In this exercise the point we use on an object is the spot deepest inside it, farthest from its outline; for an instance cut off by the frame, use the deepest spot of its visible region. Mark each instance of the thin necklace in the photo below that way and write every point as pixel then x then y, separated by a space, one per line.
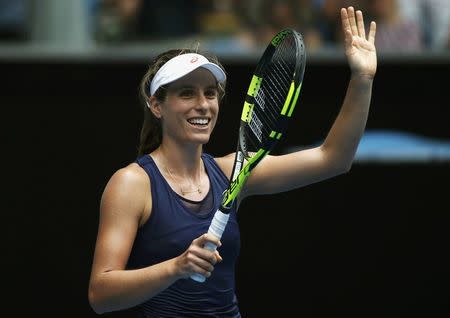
pixel 183 191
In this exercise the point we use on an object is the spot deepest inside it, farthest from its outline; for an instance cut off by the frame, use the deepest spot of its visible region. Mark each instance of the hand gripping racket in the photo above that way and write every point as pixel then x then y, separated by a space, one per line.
pixel 270 101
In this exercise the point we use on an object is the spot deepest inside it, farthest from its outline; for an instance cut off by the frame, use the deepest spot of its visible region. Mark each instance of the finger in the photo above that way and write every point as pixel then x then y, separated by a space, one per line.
pixel 201 240
pixel 201 271
pixel 218 257
pixel 199 262
pixel 345 22
pixel 204 254
pixel 360 24
pixel 348 38
pixel 207 237
pixel 372 32
pixel 352 21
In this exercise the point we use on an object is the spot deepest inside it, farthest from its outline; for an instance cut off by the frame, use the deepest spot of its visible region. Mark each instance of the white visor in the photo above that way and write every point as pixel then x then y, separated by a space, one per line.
pixel 182 65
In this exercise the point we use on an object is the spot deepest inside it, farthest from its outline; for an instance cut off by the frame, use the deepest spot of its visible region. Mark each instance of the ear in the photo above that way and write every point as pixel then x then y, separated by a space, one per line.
pixel 154 106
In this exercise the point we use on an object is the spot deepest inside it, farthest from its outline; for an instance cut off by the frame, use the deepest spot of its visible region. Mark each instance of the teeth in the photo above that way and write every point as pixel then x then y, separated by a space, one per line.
pixel 198 121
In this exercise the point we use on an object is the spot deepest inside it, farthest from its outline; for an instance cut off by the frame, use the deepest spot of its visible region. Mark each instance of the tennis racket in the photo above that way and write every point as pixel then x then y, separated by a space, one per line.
pixel 270 101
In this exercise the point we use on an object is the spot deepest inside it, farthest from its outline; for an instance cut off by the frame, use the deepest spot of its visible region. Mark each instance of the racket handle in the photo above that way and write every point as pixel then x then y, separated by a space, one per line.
pixel 216 228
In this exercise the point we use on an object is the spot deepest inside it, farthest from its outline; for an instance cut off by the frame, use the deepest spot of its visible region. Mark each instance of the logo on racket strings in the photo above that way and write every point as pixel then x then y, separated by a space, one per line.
pixel 279 37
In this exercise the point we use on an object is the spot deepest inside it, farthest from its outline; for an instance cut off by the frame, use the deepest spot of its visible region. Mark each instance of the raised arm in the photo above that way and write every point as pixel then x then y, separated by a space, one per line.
pixel 335 155
pixel 343 139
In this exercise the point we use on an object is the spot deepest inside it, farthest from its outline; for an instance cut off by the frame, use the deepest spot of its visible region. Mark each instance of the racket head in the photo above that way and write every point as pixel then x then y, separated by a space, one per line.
pixel 272 94
pixel 270 101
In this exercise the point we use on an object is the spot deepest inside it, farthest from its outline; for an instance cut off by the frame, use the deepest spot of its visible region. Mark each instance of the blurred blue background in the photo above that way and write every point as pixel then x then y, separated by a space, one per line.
pixel 227 27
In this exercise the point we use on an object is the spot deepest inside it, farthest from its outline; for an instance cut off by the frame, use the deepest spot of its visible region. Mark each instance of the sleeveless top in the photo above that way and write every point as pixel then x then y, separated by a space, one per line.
pixel 169 231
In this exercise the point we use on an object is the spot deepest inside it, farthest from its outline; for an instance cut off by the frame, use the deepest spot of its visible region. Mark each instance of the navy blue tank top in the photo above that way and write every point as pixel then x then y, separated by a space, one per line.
pixel 169 231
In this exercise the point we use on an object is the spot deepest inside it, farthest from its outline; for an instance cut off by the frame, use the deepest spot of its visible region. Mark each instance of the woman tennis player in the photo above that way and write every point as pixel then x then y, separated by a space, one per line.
pixel 155 212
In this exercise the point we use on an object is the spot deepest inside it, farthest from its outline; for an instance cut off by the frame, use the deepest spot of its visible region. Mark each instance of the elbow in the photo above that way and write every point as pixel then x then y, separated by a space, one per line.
pixel 342 168
pixel 343 164
pixel 338 162
pixel 94 301
pixel 347 167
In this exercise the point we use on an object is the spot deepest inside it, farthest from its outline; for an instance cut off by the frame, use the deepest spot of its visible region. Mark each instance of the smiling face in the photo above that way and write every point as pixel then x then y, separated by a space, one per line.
pixel 189 111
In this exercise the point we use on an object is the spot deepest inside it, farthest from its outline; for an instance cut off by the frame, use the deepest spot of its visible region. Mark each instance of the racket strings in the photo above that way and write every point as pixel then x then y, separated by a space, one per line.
pixel 273 92
pixel 263 122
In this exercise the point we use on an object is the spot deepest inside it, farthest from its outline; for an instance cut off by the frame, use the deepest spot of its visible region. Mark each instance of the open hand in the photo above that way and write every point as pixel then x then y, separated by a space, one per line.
pixel 359 48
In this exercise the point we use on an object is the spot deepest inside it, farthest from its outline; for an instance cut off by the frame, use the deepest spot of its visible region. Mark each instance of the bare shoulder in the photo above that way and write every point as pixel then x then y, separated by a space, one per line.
pixel 127 190
pixel 131 177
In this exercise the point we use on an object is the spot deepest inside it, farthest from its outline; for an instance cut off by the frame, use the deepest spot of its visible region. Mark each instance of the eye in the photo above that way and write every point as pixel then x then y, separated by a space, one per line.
pixel 187 92
pixel 211 93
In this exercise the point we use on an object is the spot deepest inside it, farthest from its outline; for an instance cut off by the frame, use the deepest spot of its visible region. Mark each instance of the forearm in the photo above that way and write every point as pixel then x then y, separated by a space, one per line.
pixel 121 289
pixel 343 138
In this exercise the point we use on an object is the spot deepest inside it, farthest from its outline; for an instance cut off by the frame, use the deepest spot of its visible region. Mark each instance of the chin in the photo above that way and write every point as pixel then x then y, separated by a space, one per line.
pixel 198 139
pixel 203 140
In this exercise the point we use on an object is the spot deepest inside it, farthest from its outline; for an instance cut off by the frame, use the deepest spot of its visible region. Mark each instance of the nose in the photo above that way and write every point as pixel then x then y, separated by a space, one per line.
pixel 202 101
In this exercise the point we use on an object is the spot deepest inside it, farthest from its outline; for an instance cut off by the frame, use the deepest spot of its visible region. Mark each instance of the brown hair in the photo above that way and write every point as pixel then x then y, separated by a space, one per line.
pixel 151 131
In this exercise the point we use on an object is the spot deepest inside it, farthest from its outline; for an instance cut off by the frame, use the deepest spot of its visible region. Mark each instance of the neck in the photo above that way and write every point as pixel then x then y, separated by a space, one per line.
pixel 181 160
pixel 183 169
